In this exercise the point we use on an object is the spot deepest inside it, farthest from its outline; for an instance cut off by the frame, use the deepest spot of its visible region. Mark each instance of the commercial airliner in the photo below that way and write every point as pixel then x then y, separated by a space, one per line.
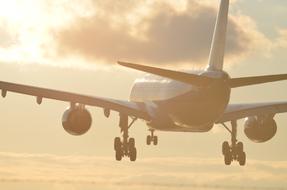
pixel 175 101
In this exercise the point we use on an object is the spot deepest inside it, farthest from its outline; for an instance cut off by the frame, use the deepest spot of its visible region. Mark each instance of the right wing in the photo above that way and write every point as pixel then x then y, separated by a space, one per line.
pixel 126 107
pixel 240 111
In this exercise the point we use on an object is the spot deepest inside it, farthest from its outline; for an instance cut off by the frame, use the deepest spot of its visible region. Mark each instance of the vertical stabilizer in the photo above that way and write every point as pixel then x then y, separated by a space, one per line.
pixel 216 56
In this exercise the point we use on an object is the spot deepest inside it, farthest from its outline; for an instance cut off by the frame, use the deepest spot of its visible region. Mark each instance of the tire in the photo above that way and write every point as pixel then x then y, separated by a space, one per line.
pixel 225 148
pixel 227 159
pixel 239 148
pixel 148 140
pixel 155 140
pixel 242 159
pixel 133 154
pixel 119 155
pixel 132 142
pixel 117 143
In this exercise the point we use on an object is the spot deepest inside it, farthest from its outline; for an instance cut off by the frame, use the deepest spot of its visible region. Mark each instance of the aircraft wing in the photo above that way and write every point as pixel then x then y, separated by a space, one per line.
pixel 129 108
pixel 239 111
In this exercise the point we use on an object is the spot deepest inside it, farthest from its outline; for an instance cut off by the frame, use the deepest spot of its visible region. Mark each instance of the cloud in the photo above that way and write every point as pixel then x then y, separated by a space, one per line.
pixel 7 37
pixel 281 41
pixel 150 173
pixel 77 33
pixel 159 32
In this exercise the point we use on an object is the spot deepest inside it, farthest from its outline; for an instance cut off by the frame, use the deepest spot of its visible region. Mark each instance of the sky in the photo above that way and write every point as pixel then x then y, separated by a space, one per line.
pixel 74 45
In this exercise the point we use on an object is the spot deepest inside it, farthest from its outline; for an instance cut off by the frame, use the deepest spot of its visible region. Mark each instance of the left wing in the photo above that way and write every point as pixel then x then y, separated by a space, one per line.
pixel 129 108
pixel 239 111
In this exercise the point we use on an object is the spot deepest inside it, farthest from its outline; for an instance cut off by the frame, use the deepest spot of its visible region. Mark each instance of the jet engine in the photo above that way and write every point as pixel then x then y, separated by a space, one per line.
pixel 260 129
pixel 77 120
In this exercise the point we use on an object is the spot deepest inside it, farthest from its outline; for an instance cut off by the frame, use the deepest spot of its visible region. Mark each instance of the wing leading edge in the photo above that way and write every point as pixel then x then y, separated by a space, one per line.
pixel 239 111
pixel 129 108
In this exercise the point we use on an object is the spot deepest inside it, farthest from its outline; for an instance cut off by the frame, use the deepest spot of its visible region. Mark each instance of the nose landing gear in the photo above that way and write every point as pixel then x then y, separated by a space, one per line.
pixel 152 138
pixel 235 150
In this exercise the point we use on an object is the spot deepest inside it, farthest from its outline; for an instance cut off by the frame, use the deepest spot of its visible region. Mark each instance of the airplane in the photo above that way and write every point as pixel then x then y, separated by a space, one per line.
pixel 175 101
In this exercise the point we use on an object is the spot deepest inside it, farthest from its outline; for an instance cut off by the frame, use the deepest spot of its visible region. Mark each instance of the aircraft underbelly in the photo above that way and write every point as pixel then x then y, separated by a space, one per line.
pixel 196 111
pixel 200 118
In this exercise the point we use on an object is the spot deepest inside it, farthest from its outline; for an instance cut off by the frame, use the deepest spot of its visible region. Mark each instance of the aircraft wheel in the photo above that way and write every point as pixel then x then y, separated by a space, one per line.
pixel 225 148
pixel 133 154
pixel 155 140
pixel 242 158
pixel 132 142
pixel 148 140
pixel 117 143
pixel 239 147
pixel 119 155
pixel 228 158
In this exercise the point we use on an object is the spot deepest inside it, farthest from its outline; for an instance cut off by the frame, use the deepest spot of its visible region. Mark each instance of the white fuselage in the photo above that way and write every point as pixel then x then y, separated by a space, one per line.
pixel 177 106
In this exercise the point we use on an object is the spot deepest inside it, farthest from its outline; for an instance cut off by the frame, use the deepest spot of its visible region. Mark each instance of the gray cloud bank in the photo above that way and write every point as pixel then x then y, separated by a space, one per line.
pixel 161 35
pixel 152 173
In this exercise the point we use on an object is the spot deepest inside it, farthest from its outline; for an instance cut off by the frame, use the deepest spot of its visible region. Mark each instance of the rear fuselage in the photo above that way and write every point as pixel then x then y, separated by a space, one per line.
pixel 177 106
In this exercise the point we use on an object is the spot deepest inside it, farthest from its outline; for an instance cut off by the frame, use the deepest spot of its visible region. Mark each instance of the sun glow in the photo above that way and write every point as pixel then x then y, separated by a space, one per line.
pixel 23 21
pixel 27 28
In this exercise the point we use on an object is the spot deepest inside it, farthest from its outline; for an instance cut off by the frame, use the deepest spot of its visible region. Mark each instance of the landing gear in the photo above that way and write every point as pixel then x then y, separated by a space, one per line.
pixel 235 150
pixel 152 138
pixel 125 146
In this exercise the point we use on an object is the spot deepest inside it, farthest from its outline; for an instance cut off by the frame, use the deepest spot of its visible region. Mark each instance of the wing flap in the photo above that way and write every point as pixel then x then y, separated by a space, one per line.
pixel 239 111
pixel 130 108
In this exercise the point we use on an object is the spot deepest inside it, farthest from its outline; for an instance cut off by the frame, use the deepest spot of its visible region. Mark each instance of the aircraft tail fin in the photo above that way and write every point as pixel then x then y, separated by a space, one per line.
pixel 216 56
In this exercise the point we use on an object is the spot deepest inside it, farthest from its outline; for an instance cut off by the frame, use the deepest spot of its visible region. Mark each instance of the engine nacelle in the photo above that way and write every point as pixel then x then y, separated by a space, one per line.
pixel 77 120
pixel 259 129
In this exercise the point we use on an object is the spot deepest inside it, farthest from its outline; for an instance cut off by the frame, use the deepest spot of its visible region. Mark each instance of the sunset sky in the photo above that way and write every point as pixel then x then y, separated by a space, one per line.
pixel 74 45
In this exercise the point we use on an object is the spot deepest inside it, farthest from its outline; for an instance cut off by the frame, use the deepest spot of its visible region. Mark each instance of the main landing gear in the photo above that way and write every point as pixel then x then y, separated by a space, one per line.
pixel 125 146
pixel 235 150
pixel 151 138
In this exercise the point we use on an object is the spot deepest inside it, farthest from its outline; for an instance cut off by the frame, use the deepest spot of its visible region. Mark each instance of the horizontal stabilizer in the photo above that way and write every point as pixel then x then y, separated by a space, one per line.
pixel 247 81
pixel 175 75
